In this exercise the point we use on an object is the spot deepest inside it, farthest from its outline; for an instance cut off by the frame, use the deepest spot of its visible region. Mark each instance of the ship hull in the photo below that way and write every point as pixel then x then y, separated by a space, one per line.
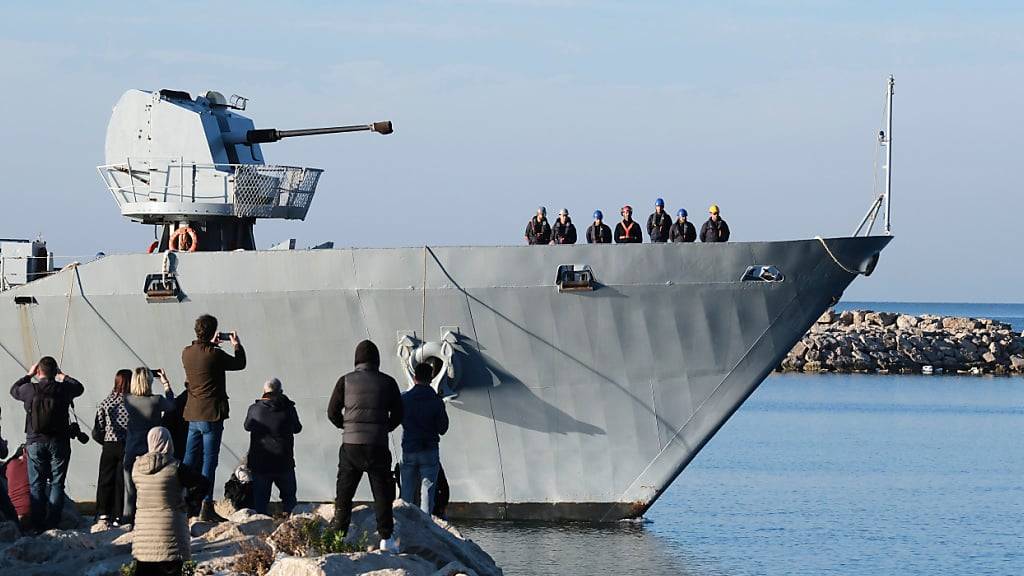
pixel 581 405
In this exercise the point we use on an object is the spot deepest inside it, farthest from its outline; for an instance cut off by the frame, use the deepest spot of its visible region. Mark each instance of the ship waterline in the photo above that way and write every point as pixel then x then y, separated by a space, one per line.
pixel 570 405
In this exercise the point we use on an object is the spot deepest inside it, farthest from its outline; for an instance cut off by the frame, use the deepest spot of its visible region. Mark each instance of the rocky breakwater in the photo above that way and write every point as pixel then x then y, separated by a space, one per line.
pixel 885 342
pixel 257 545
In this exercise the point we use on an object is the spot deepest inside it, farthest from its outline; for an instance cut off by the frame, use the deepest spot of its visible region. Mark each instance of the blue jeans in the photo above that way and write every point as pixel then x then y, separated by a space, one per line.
pixel 48 460
pixel 204 437
pixel 419 478
pixel 263 482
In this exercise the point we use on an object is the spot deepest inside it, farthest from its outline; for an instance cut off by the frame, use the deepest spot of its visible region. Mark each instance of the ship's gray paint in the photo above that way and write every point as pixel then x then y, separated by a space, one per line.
pixel 571 404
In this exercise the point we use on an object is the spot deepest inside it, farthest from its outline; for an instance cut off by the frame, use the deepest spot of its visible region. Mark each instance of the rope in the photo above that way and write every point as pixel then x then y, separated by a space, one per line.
pixel 73 268
pixel 833 256
pixel 423 289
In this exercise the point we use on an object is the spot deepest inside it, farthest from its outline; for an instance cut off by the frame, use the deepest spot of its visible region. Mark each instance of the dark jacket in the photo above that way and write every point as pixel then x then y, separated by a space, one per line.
pixel 714 231
pixel 599 235
pixel 658 226
pixel 631 236
pixel 272 423
pixel 205 365
pixel 425 420
pixel 65 392
pixel 682 232
pixel 366 403
pixel 538 232
pixel 564 233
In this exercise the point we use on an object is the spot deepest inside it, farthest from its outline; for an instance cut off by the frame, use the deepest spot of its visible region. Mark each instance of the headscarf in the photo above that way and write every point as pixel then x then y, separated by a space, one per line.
pixel 159 439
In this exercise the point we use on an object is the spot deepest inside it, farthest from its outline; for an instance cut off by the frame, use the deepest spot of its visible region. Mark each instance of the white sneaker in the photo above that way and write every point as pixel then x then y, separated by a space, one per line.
pixel 389 545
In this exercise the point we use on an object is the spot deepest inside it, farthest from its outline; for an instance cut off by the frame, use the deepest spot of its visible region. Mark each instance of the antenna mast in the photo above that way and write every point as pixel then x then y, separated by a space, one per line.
pixel 888 156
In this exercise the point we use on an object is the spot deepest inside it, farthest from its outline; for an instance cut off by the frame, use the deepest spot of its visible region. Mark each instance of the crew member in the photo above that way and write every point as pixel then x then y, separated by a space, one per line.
pixel 715 229
pixel 366 404
pixel 564 231
pixel 682 229
pixel 599 232
pixel 538 231
pixel 627 231
pixel 659 223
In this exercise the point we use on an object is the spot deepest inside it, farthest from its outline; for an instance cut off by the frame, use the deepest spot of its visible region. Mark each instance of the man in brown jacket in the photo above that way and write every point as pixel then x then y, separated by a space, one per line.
pixel 207 406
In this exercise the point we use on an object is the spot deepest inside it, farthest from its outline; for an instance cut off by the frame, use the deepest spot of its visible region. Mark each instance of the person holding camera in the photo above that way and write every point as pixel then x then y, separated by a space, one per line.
pixel 207 406
pixel 110 428
pixel 144 413
pixel 47 394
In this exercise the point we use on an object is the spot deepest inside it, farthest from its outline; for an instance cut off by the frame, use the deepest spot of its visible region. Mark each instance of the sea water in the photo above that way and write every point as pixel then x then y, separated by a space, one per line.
pixel 822 474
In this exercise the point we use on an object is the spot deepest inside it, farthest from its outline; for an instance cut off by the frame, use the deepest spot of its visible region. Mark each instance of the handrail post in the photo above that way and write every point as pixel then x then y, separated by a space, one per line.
pixel 888 156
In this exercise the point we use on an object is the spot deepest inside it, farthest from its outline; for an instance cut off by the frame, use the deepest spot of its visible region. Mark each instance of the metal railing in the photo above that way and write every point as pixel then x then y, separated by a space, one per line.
pixel 149 188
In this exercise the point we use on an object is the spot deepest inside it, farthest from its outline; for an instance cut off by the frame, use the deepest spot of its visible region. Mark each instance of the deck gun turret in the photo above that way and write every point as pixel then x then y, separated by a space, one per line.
pixel 178 161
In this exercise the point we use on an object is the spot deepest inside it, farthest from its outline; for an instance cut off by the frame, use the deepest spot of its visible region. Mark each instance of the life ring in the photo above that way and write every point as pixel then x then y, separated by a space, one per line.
pixel 152 247
pixel 177 245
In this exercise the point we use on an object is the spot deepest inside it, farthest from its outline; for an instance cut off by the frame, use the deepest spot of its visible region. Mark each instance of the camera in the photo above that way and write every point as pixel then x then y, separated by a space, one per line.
pixel 75 431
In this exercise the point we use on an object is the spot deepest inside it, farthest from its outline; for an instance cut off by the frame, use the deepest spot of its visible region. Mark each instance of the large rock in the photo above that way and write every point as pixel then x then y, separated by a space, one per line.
pixel 352 564
pixel 1017 363
pixel 252 524
pixel 427 537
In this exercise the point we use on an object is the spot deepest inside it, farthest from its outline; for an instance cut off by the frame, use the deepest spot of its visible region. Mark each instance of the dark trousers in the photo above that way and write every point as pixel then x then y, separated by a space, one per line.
pixel 110 482
pixel 262 482
pixel 170 568
pixel 48 462
pixel 375 461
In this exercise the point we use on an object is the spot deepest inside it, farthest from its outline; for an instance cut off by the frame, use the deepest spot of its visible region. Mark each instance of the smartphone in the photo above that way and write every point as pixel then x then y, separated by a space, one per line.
pixel 158 372
pixel 224 336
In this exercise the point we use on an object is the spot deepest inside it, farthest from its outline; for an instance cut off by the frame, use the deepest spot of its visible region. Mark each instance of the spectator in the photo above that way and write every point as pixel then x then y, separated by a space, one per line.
pixel 682 230
pixel 599 232
pixel 627 231
pixel 659 223
pixel 564 231
pixel 272 423
pixel 144 413
pixel 366 404
pixel 715 229
pixel 47 394
pixel 160 544
pixel 538 231
pixel 110 430
pixel 16 474
pixel 424 421
pixel 207 406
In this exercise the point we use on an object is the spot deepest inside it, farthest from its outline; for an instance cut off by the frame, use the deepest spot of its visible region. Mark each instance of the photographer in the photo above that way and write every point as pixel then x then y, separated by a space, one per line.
pixel 207 406
pixel 144 413
pixel 47 394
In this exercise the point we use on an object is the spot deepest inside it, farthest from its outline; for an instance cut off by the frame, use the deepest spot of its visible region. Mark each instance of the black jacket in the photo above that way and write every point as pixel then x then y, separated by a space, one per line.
pixel 658 226
pixel 65 392
pixel 631 236
pixel 714 231
pixel 425 420
pixel 366 403
pixel 599 235
pixel 272 423
pixel 564 233
pixel 538 232
pixel 682 232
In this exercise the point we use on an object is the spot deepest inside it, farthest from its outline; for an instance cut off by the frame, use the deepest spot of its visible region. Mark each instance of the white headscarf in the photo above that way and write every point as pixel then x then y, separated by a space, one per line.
pixel 159 439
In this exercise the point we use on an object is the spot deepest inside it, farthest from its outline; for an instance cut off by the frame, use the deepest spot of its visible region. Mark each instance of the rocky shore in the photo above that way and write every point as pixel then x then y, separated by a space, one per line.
pixel 257 545
pixel 885 342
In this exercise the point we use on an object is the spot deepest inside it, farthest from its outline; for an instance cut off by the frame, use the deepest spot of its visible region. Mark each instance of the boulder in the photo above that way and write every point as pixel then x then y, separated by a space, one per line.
pixel 905 321
pixel 1017 363
pixel 858 317
pixel 352 564
pixel 252 524
pixel 827 317
pixel 845 318
pixel 799 350
pixel 988 358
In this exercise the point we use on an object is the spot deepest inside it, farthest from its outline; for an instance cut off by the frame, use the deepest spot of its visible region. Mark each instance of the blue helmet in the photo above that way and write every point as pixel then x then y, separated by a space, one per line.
pixel 598 215
pixel 659 202
pixel 681 212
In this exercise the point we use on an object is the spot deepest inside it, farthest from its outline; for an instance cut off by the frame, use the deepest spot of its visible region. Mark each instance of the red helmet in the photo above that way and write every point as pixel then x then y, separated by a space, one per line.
pixel 626 207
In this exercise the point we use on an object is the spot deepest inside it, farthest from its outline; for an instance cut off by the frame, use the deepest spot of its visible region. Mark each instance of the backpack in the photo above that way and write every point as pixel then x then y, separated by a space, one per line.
pixel 47 414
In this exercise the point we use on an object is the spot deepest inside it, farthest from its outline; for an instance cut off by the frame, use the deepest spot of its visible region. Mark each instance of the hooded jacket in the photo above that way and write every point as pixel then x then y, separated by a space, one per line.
pixel 564 233
pixel 161 529
pixel 205 365
pixel 366 403
pixel 272 423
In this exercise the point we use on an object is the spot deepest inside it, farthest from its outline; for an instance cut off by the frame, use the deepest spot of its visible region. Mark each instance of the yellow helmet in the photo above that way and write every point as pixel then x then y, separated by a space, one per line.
pixel 713 209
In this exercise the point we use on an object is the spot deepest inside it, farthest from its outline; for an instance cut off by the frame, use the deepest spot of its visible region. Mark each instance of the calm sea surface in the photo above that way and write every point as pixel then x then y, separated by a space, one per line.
pixel 824 474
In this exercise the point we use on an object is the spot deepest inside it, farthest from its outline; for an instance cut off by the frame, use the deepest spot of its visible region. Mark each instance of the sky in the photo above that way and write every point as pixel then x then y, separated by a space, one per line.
pixel 769 109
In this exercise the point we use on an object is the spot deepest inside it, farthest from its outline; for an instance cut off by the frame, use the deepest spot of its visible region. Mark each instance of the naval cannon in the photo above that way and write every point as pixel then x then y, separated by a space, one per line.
pixel 194 168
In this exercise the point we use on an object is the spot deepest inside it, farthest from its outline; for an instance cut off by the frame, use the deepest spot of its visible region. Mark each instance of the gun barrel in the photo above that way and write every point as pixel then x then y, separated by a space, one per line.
pixel 273 135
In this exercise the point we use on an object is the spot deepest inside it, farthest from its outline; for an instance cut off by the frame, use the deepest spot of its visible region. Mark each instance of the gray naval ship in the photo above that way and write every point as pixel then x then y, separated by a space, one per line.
pixel 580 380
